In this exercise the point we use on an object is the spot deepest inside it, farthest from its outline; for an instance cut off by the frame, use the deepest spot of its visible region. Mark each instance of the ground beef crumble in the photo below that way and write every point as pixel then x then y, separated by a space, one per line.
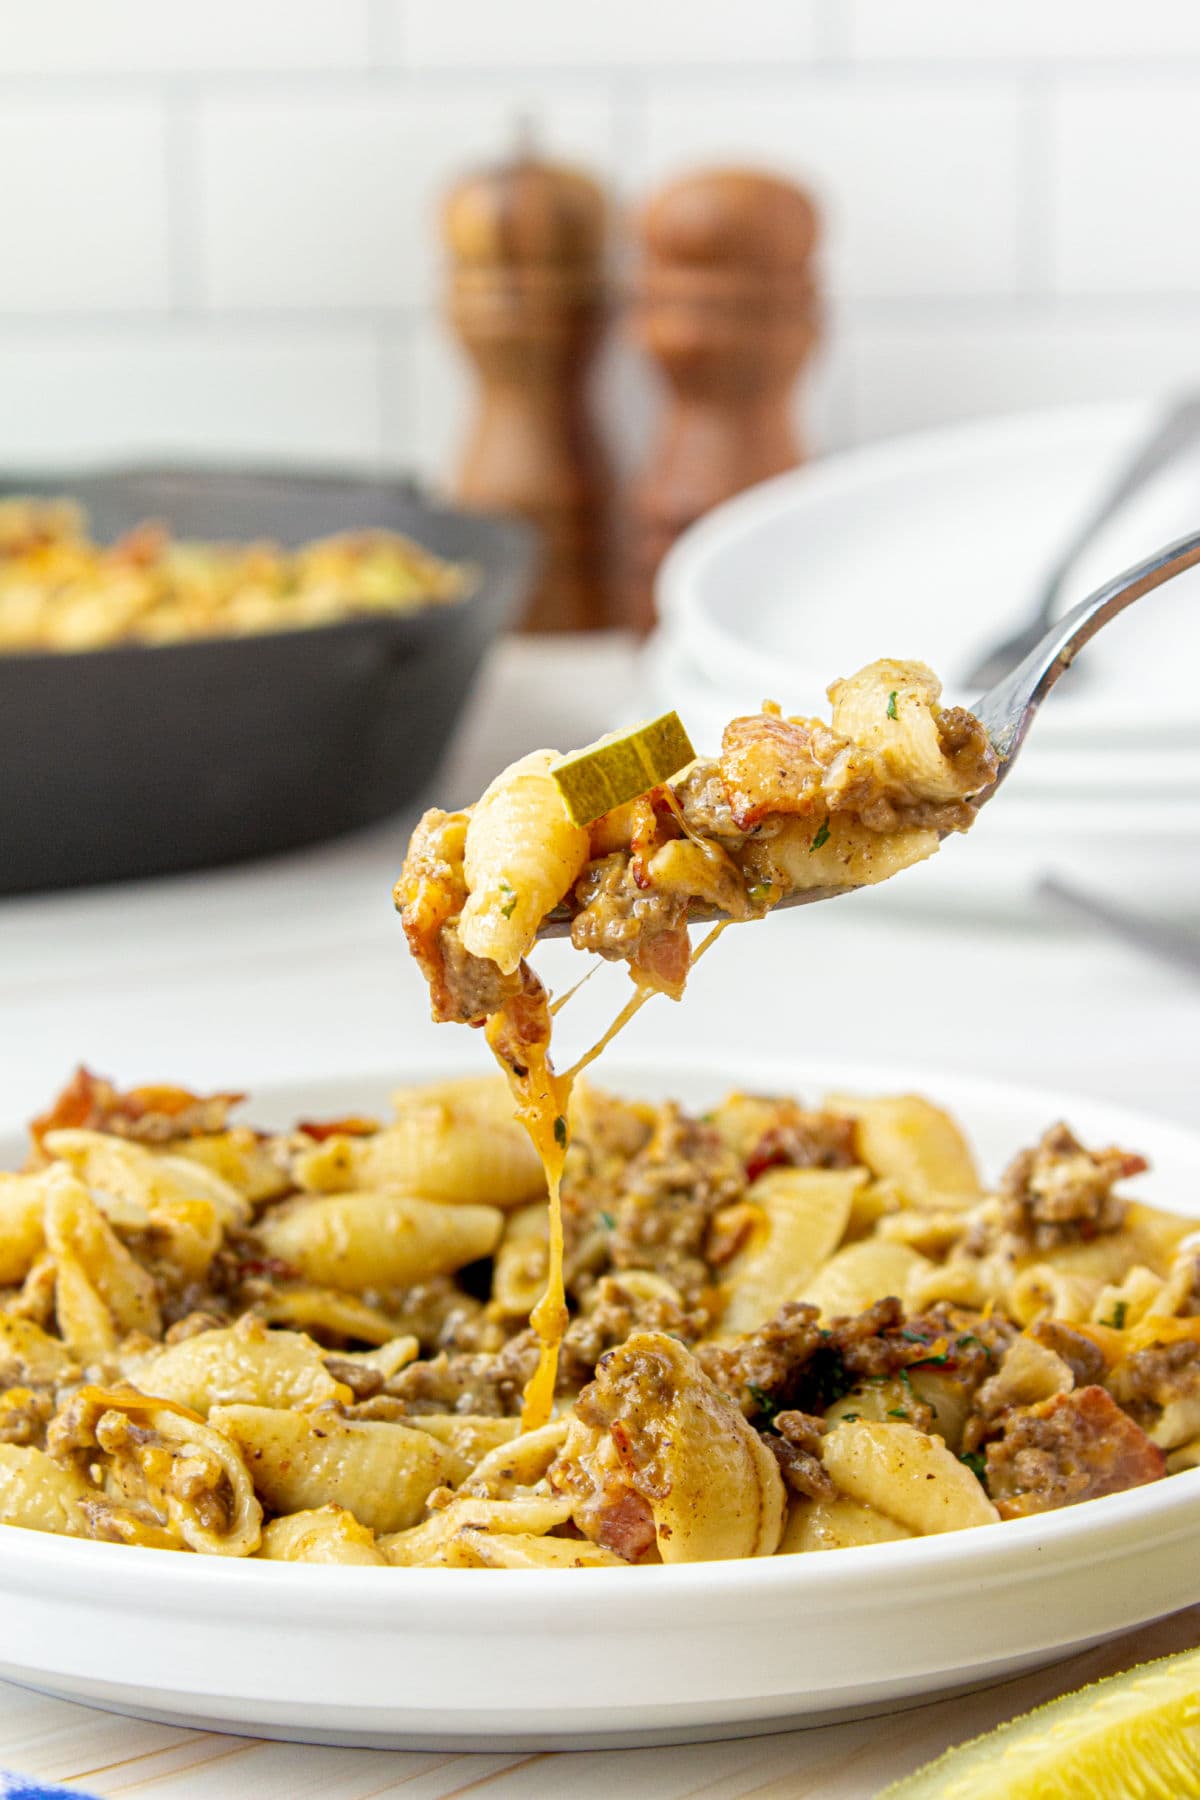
pixel 1072 1447
pixel 24 1415
pixel 615 915
pixel 795 1442
pixel 466 1382
pixel 668 1196
pixel 1146 1382
pixel 492 1383
pixel 795 1362
pixel 804 1140
pixel 1059 1193
pixel 1082 1355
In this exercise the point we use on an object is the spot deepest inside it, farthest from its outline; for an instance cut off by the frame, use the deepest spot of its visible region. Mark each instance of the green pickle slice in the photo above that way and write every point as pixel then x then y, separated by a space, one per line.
pixel 621 766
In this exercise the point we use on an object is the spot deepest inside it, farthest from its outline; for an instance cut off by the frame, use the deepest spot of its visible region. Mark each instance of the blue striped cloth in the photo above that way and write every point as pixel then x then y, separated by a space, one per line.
pixel 24 1787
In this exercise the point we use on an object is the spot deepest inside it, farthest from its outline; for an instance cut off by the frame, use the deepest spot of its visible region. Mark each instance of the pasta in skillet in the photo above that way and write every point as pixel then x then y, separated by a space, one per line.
pixel 60 590
pixel 789 1329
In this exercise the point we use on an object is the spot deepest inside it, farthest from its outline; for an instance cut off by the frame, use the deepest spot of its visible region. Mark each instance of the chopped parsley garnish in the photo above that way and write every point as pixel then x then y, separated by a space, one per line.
pixel 766 1406
pixel 966 1340
pixel 761 890
pixel 822 837
pixel 851 1418
pixel 607 1220
pixel 826 1379
pixel 507 910
pixel 935 1359
pixel 560 1132
pixel 891 711
pixel 897 1412
pixel 1119 1313
pixel 911 1391
pixel 976 1462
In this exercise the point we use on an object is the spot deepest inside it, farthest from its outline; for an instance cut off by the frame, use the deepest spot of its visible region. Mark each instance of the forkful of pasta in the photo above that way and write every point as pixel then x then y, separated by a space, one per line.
pixel 628 843
pixel 624 845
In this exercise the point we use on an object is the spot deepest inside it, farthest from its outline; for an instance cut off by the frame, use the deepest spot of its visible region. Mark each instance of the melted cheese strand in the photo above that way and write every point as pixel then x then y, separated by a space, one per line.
pixel 630 1009
pixel 549 1319
pixel 709 939
pixel 673 806
pixel 556 1006
pixel 542 1099
pixel 543 1102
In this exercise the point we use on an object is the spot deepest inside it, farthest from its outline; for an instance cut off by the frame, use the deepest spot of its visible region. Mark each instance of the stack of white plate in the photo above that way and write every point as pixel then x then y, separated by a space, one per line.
pixel 932 547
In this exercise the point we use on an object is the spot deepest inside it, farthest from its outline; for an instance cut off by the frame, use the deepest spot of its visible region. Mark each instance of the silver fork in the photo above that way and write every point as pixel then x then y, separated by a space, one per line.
pixel 1008 709
pixel 1173 433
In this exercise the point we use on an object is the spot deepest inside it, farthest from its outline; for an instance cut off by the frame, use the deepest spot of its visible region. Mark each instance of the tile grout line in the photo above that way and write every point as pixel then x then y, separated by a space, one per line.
pixel 833 62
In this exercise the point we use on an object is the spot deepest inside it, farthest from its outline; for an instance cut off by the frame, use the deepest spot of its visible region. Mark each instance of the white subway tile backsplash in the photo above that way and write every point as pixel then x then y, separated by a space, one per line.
pixel 1008 191
pixel 1032 30
pixel 428 393
pixel 618 33
pixel 333 201
pixel 919 182
pixel 85 205
pixel 171 36
pixel 293 396
pixel 935 372
pixel 1124 181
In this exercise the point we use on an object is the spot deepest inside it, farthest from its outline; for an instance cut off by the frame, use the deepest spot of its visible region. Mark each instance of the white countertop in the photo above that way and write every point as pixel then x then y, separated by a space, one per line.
pixel 295 968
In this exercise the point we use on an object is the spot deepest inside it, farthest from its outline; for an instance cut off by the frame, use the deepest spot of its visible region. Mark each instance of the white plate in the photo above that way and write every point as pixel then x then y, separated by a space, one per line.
pixel 931 546
pixel 464 1658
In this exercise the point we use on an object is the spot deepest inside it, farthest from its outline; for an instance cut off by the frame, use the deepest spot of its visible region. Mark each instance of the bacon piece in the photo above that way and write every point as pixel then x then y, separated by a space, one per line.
pixel 1072 1447
pixel 772 765
pixel 663 960
pixel 353 1125
pixel 769 766
pixel 627 1527
pixel 804 1140
pixel 154 1113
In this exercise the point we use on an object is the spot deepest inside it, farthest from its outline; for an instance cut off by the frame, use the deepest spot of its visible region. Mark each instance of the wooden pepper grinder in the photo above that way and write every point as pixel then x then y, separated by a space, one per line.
pixel 528 302
pixel 726 305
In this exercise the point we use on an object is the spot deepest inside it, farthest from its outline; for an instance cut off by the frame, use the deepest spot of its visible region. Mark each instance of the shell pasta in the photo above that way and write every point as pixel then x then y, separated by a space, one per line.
pixel 790 804
pixel 788 1329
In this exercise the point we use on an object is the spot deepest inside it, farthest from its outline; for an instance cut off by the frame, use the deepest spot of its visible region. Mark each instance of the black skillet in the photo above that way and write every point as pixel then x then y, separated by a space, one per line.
pixel 141 760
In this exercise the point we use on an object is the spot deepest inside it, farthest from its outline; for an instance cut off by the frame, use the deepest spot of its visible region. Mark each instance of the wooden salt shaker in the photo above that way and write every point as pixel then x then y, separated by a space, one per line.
pixel 726 305
pixel 527 300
